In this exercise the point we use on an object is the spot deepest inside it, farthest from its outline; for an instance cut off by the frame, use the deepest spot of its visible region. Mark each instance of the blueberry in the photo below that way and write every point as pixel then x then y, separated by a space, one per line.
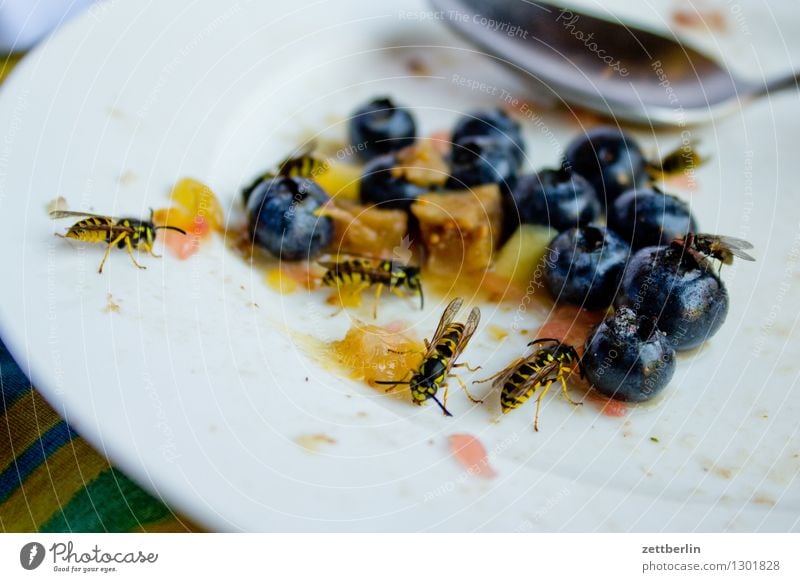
pixel 481 160
pixel 381 185
pixel 645 217
pixel 555 198
pixel 380 127
pixel 492 123
pixel 686 296
pixel 628 357
pixel 584 266
pixel 609 159
pixel 281 213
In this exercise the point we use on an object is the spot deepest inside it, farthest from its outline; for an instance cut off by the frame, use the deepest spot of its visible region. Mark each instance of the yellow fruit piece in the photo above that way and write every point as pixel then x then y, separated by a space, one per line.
pixel 197 199
pixel 281 282
pixel 370 352
pixel 173 217
pixel 460 229
pixel 340 181
pixel 423 165
pixel 368 231
pixel 520 257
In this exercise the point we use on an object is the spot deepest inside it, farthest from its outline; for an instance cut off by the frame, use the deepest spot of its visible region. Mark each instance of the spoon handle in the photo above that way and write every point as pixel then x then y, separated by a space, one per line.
pixel 790 81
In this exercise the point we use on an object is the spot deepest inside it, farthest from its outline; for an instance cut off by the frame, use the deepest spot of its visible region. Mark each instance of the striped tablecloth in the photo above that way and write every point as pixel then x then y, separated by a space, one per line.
pixel 51 480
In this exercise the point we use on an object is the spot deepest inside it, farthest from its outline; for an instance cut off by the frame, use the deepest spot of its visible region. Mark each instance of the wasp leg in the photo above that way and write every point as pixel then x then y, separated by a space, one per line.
pixel 464 388
pixel 444 400
pixel 129 246
pixel 467 366
pixel 149 249
pixel 564 372
pixel 393 386
pixel 378 292
pixel 505 370
pixel 111 245
pixel 545 387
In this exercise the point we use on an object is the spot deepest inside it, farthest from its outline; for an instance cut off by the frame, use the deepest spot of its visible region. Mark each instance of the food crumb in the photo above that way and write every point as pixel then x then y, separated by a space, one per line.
pixel 59 203
pixel 127 178
pixel 417 66
pixel 111 305
pixel 471 454
pixel 497 332
pixel 312 442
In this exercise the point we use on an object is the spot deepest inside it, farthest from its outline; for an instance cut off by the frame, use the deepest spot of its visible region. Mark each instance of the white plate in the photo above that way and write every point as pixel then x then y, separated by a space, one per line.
pixel 201 397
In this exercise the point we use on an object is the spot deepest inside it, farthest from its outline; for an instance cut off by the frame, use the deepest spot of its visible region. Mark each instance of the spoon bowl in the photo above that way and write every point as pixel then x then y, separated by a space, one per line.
pixel 615 69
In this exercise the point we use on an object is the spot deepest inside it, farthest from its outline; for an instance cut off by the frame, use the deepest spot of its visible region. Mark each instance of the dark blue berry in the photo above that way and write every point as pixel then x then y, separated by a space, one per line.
pixel 282 218
pixel 481 160
pixel 381 184
pixel 380 127
pixel 584 266
pixel 492 123
pixel 645 217
pixel 609 159
pixel 688 299
pixel 555 198
pixel 628 358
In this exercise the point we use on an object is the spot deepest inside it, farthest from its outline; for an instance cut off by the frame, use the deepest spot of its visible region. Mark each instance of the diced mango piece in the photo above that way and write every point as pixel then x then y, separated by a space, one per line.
pixel 520 257
pixel 460 229
pixel 340 181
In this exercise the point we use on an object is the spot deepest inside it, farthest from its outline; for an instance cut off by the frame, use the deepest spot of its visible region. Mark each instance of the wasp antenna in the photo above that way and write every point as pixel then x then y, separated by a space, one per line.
pixel 446 412
pixel 175 228
pixel 421 298
pixel 391 382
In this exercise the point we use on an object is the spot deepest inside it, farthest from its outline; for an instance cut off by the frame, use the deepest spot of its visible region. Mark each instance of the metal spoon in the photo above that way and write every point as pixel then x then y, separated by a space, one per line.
pixel 617 70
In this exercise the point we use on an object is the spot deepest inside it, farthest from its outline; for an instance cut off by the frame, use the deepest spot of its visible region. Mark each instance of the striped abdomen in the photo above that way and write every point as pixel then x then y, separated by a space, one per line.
pixel 355 271
pixel 87 230
pixel 446 346
pixel 520 387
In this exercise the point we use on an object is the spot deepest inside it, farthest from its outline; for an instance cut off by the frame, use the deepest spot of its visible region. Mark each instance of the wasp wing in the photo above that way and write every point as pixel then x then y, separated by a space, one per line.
pixel 371 270
pixel 56 214
pixel 537 378
pixel 446 319
pixel 112 228
pixel 469 330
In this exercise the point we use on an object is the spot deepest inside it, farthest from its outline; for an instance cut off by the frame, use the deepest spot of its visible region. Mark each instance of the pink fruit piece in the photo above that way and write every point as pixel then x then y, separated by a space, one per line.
pixel 471 454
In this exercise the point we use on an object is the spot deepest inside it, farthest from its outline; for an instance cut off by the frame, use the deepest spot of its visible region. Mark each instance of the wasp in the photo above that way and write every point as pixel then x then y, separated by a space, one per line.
pixel 551 361
pixel 303 164
pixel 366 272
pixel 128 233
pixel 721 248
pixel 441 354
pixel 684 158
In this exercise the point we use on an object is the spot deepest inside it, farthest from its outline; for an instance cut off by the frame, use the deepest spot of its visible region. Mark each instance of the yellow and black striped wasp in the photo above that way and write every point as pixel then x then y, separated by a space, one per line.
pixel 684 158
pixel 441 354
pixel 302 164
pixel 363 272
pixel 128 233
pixel 720 247
pixel 551 361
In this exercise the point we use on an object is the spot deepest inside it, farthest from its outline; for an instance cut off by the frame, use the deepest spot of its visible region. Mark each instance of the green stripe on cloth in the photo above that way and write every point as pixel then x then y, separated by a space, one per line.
pixel 111 503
